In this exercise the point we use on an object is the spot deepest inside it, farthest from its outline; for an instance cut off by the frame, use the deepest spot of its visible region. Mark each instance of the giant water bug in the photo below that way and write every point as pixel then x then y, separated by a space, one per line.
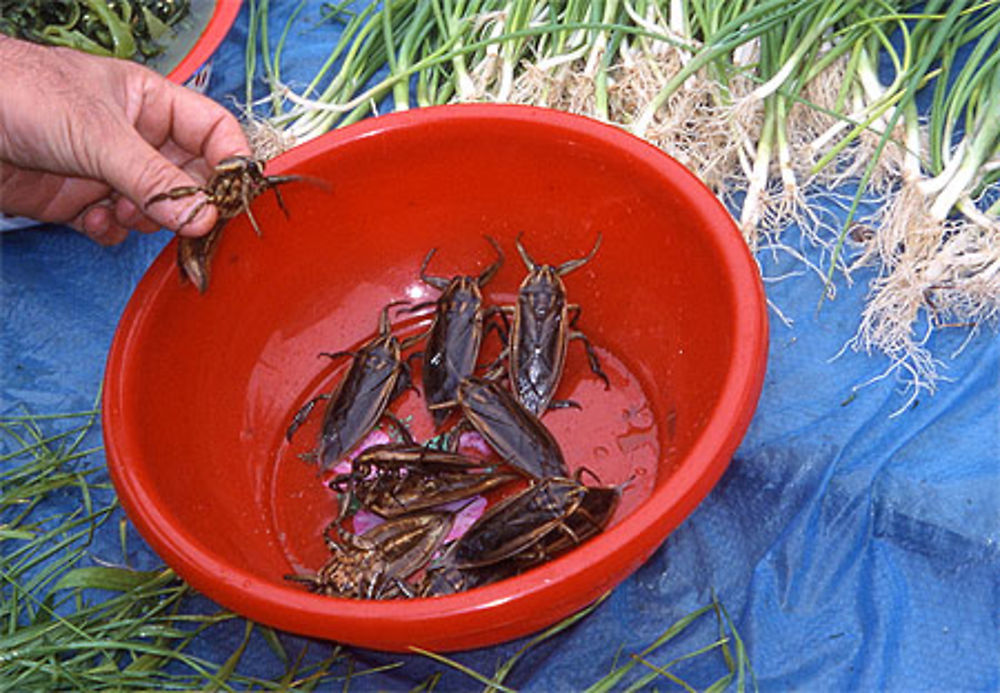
pixel 374 565
pixel 516 434
pixel 236 181
pixel 398 478
pixel 378 374
pixel 456 333
pixel 544 322
pixel 518 522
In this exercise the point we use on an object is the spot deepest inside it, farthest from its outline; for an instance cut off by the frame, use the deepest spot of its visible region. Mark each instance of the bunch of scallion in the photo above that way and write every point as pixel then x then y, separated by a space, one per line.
pixel 791 111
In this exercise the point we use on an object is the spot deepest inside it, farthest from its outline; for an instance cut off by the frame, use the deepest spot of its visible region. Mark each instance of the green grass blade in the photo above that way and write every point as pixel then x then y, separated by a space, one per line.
pixel 458 666
pixel 568 622
pixel 105 578
pixel 611 680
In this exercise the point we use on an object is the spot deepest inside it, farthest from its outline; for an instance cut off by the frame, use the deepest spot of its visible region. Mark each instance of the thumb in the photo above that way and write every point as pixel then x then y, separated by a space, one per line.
pixel 141 173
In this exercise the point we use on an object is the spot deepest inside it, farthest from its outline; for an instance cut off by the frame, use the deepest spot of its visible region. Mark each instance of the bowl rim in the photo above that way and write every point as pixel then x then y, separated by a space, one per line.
pixel 219 23
pixel 516 606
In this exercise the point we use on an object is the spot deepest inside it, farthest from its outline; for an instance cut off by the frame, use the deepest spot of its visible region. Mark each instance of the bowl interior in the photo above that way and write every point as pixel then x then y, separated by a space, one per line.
pixel 201 388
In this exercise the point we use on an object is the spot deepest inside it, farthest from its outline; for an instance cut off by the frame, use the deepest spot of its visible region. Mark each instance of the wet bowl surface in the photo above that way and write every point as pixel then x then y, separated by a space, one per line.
pixel 200 389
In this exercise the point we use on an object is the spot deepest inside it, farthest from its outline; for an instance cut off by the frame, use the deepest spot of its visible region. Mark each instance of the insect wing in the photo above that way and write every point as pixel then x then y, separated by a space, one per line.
pixel 407 543
pixel 588 519
pixel 194 255
pixel 511 430
pixel 517 523
pixel 539 340
pixel 420 491
pixel 391 480
pixel 446 578
pixel 360 399
pixel 453 343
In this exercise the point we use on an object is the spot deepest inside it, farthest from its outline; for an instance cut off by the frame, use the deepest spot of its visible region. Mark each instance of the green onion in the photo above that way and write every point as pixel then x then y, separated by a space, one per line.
pixel 769 102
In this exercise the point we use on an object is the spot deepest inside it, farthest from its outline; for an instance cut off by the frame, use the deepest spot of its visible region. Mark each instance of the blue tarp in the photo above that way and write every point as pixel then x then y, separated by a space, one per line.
pixel 853 549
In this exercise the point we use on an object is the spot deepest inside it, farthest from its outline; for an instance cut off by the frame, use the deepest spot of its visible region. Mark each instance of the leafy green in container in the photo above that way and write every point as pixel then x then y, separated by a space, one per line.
pixel 131 29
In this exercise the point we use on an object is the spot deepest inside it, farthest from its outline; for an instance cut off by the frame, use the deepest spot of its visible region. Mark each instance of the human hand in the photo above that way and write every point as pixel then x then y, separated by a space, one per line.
pixel 85 141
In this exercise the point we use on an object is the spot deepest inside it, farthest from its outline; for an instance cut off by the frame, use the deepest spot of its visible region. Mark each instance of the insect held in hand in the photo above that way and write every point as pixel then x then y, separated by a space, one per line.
pixel 237 180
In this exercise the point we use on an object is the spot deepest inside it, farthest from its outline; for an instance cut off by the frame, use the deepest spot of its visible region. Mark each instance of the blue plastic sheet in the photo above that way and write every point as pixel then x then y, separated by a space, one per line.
pixel 853 548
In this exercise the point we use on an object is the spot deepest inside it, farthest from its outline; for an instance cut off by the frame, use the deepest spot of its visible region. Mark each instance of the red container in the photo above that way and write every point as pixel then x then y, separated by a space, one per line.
pixel 200 388
pixel 210 37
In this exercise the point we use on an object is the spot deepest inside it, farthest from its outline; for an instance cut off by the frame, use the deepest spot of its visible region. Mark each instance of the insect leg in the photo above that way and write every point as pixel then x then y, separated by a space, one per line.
pixel 570 265
pixel 404 588
pixel 418 306
pixel 440 283
pixel 488 273
pixel 194 212
pixel 595 364
pixel 336 354
pixel 277 196
pixel 245 194
pixel 404 432
pixel 176 193
pixel 528 262
pixel 578 475
pixel 502 329
pixel 404 381
pixel 495 367
pixel 454 436
pixel 302 414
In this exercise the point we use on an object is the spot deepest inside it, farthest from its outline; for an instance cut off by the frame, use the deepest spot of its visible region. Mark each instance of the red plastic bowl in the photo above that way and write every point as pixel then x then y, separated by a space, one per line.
pixel 215 30
pixel 200 388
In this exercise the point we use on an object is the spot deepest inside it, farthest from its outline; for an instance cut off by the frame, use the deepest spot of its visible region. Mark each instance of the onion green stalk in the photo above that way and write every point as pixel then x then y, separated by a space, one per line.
pixel 770 102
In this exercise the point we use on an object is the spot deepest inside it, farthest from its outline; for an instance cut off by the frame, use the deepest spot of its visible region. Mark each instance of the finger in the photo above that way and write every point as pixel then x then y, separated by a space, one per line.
pixel 139 172
pixel 189 127
pixel 116 234
pixel 196 166
pixel 197 124
pixel 98 224
pixel 47 197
